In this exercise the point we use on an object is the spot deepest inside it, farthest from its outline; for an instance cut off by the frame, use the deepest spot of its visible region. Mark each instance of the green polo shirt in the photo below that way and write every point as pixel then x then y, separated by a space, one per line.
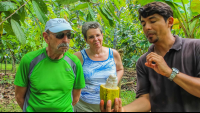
pixel 49 82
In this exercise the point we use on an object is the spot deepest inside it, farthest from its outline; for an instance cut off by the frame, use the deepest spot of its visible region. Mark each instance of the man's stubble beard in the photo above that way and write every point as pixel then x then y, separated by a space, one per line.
pixel 154 41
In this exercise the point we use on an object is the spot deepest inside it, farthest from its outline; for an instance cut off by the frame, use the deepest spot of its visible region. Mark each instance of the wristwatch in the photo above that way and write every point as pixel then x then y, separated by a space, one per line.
pixel 173 74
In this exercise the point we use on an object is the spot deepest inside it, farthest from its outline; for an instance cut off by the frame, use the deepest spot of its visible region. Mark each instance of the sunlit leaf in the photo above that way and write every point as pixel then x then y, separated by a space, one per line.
pixel 144 2
pixel 1 26
pixel 18 31
pixel 91 12
pixel 89 17
pixel 94 1
pixel 195 6
pixel 42 5
pixel 116 2
pixel 7 6
pixel 40 15
pixel 85 0
pixel 184 1
pixel 107 14
pixel 16 17
pixel 122 3
pixel 80 6
pixel 9 45
pixel 8 29
pixel 22 14
pixel 112 11
pixel 65 2
pixel 1 54
pixel 17 2
pixel 106 22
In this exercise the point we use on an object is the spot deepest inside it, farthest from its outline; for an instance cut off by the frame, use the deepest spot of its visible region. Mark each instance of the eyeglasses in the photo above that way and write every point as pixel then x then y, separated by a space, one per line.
pixel 60 35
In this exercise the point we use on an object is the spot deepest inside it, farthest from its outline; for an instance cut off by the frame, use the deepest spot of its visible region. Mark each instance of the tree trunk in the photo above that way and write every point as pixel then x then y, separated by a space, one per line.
pixel 13 65
pixel 5 65
pixel 1 65
pixel 115 37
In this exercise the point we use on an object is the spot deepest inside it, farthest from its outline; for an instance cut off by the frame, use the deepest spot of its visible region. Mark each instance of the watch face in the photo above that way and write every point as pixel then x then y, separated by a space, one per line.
pixel 175 70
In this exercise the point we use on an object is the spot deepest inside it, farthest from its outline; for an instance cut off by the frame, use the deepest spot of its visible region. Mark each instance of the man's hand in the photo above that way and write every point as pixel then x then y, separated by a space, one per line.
pixel 160 65
pixel 117 107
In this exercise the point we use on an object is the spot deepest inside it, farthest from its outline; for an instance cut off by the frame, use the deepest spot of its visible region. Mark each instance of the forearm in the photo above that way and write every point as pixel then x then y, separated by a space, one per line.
pixel 142 104
pixel 20 102
pixel 120 74
pixel 188 83
pixel 74 102
pixel 20 95
pixel 76 95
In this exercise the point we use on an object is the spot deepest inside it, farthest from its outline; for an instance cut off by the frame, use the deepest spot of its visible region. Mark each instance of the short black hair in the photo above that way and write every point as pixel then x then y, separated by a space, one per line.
pixel 160 8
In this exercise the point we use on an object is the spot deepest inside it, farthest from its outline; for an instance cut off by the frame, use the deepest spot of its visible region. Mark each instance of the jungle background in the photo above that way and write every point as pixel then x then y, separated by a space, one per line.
pixel 23 21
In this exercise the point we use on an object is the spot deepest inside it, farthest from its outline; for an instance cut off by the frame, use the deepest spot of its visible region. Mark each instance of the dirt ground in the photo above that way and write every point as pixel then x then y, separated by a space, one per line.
pixel 7 92
pixel 129 79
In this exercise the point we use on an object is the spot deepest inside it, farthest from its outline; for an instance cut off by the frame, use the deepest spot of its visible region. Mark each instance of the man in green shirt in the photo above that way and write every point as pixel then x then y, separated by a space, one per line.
pixel 50 79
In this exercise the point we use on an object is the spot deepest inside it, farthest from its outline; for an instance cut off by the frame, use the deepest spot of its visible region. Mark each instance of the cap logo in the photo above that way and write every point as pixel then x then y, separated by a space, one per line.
pixel 57 25
pixel 61 21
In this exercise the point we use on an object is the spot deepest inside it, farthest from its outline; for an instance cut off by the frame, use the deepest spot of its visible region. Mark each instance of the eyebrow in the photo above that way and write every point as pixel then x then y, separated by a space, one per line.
pixel 152 17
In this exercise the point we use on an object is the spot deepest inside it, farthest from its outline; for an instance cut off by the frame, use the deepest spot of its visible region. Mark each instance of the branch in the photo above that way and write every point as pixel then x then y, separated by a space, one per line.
pixel 14 12
pixel 195 17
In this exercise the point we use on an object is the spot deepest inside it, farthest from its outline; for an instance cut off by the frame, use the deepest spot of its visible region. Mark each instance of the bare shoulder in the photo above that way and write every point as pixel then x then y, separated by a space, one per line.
pixel 79 55
pixel 115 53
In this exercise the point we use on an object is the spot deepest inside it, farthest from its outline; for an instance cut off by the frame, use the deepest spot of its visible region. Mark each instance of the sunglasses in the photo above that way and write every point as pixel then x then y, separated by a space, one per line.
pixel 60 35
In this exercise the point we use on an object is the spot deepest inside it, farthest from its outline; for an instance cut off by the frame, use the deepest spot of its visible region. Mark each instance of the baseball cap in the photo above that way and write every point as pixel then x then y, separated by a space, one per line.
pixel 57 25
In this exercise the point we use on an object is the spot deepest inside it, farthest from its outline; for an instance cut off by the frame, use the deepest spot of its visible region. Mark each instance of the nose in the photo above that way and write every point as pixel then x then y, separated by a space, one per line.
pixel 95 37
pixel 66 39
pixel 147 26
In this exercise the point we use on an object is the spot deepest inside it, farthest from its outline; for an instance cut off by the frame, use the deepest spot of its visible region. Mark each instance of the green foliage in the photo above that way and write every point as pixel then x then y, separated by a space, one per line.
pixel 8 28
pixel 1 26
pixel 80 6
pixel 42 18
pixel 106 22
pixel 7 6
pixel 8 66
pixel 111 10
pixel 127 97
pixel 119 19
pixel 18 31
pixel 42 5
pixel 187 12
pixel 66 1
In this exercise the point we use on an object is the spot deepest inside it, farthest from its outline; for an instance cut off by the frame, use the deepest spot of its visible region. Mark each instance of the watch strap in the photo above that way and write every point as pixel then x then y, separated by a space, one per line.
pixel 173 74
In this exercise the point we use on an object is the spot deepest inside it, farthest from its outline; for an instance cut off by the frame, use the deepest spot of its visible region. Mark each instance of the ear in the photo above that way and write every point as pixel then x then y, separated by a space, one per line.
pixel 46 37
pixel 170 21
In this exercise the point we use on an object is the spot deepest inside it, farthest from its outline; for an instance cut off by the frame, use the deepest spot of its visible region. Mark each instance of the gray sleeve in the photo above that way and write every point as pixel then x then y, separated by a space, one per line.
pixel 197 51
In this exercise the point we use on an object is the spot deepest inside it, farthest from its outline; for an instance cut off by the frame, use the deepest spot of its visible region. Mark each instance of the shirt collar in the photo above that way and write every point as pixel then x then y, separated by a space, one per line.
pixel 176 46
